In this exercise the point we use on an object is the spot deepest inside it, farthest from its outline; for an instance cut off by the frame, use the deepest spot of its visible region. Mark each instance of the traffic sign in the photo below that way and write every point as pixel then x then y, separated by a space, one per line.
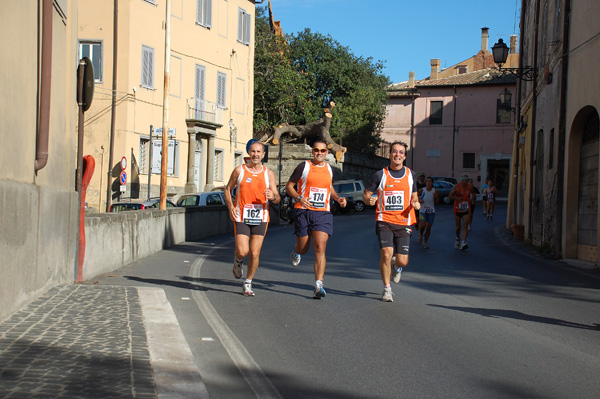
pixel 123 163
pixel 123 178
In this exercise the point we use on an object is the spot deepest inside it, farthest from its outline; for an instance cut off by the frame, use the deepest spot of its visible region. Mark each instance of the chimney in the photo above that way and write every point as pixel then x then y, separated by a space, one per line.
pixel 435 68
pixel 484 39
pixel 513 44
pixel 411 79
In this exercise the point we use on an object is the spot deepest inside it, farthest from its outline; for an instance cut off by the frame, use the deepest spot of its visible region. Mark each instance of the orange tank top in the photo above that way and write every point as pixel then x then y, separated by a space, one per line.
pixel 393 199
pixel 251 200
pixel 315 185
pixel 462 202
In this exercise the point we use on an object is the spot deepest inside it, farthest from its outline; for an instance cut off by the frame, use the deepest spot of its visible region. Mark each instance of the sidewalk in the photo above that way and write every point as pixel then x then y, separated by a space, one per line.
pixel 86 341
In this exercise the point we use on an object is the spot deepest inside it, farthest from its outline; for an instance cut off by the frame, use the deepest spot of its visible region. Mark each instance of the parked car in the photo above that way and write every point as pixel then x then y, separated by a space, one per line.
pixel 443 188
pixel 134 204
pixel 208 198
pixel 337 208
pixel 445 178
pixel 354 189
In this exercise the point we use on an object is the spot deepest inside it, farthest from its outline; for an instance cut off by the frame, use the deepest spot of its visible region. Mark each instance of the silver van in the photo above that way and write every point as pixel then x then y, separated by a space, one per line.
pixel 353 188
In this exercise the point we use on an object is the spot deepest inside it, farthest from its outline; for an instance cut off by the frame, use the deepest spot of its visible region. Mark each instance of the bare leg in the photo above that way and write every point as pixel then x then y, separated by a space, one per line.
pixel 319 245
pixel 255 246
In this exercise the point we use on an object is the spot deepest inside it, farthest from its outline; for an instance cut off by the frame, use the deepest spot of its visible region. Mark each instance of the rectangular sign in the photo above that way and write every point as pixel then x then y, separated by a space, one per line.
pixel 123 188
pixel 159 130
pixel 157 157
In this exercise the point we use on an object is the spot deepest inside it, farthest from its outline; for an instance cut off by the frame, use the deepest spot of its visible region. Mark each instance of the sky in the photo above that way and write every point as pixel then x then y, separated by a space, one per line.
pixel 406 34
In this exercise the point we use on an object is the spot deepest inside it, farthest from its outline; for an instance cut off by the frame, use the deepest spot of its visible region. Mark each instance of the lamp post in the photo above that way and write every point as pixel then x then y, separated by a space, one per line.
pixel 500 53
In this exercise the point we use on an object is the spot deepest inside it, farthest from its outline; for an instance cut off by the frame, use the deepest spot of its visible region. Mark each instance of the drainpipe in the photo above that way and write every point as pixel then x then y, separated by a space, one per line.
pixel 412 133
pixel 517 150
pixel 41 157
pixel 562 126
pixel 453 129
pixel 532 162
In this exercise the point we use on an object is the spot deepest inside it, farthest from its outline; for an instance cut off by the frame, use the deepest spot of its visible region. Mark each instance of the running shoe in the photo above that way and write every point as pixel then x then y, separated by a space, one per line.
pixel 295 258
pixel 425 246
pixel 247 289
pixel 319 292
pixel 396 274
pixel 388 295
pixel 238 268
pixel 469 228
pixel 457 243
pixel 420 239
pixel 463 246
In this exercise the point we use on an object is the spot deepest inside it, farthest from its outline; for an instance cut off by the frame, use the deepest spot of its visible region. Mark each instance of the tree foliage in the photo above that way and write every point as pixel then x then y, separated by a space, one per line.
pixel 292 78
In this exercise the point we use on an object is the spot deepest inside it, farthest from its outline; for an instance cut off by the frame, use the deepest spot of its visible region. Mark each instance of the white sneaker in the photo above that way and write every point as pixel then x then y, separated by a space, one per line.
pixel 319 291
pixel 247 289
pixel 469 228
pixel 238 268
pixel 457 243
pixel 388 295
pixel 420 239
pixel 396 274
pixel 463 246
pixel 295 258
pixel 425 246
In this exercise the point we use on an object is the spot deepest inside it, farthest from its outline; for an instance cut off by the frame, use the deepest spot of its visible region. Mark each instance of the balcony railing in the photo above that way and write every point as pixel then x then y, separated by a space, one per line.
pixel 204 111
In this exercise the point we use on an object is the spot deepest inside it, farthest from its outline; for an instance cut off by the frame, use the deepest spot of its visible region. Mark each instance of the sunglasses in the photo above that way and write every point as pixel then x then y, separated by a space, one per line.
pixel 321 150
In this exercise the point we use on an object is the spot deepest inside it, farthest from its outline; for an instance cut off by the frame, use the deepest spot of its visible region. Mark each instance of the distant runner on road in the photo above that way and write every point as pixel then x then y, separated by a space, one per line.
pixel 464 197
pixel 428 196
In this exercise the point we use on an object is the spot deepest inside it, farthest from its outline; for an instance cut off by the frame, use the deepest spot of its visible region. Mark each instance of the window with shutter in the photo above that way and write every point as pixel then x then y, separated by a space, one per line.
pixel 244 26
pixel 204 13
pixel 221 90
pixel 199 90
pixel 147 67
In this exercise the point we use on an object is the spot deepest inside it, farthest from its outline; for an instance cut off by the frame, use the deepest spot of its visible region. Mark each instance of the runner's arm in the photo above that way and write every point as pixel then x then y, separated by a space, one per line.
pixel 233 212
pixel 272 189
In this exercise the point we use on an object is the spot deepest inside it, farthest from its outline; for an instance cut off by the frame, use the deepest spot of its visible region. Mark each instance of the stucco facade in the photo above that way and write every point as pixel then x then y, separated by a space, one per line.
pixel 555 192
pixel 39 204
pixel 210 103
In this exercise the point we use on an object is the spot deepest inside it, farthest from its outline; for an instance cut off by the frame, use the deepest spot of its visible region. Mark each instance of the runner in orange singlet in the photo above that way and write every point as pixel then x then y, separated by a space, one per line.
pixel 396 201
pixel 464 198
pixel 313 217
pixel 250 213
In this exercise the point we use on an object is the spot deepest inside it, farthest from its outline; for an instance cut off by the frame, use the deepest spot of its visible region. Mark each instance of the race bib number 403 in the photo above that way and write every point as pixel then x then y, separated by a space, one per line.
pixel 317 197
pixel 393 200
pixel 253 214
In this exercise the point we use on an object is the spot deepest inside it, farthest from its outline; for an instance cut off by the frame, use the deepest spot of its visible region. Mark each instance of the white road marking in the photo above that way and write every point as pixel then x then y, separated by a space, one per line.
pixel 253 374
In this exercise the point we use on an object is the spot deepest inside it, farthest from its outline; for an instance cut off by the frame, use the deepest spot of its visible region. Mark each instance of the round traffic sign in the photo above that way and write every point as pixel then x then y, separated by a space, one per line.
pixel 123 163
pixel 123 178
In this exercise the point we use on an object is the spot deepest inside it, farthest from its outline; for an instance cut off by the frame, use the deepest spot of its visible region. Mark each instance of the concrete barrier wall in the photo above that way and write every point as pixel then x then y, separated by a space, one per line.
pixel 114 240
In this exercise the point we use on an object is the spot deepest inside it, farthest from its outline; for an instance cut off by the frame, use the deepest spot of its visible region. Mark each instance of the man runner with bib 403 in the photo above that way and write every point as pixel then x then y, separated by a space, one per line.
pixel 313 218
pixel 250 213
pixel 463 196
pixel 397 200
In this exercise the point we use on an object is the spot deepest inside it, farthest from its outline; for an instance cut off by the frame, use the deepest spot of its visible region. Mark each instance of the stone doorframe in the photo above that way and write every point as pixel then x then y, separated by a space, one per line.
pixel 201 130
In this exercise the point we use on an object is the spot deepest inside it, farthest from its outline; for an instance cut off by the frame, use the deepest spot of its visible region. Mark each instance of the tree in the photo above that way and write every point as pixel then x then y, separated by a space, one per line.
pixel 296 78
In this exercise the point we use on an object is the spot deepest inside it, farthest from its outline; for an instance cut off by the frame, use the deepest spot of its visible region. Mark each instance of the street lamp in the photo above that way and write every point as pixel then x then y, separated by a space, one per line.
pixel 500 53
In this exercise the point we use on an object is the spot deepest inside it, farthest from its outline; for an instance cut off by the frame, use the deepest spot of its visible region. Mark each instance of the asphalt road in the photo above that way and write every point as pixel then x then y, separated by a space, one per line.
pixel 494 321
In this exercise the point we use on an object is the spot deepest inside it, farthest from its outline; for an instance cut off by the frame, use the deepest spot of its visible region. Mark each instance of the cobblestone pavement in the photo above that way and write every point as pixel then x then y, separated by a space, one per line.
pixel 77 341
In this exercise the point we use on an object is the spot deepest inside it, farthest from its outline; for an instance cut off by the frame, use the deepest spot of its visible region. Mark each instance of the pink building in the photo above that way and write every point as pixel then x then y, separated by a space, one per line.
pixel 454 125
pixel 453 121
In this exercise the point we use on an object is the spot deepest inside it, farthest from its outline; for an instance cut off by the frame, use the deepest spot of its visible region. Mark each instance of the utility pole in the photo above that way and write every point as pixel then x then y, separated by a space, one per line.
pixel 113 106
pixel 165 132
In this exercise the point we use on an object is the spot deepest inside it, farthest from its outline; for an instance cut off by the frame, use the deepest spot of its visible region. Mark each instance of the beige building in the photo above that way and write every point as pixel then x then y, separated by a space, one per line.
pixel 38 108
pixel 210 102
pixel 554 190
